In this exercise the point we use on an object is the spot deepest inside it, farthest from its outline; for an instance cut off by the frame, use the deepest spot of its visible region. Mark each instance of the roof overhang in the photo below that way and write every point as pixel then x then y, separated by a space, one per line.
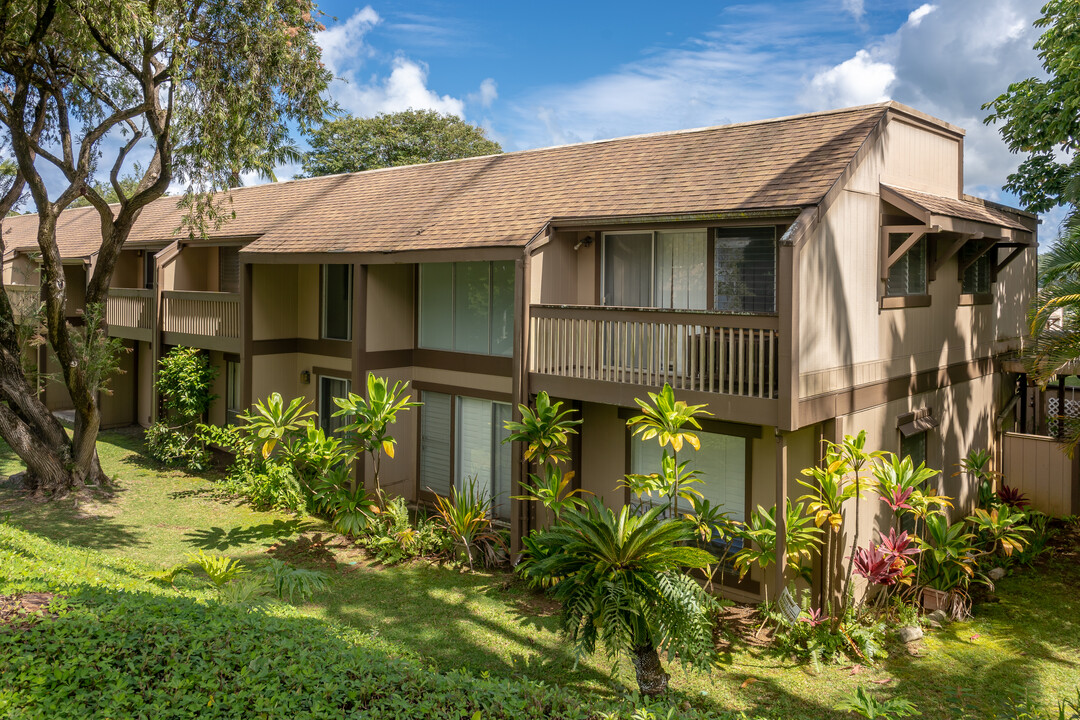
pixel 591 222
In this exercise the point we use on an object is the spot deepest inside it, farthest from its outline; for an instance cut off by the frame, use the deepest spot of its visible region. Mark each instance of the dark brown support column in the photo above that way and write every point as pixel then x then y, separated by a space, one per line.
pixel 359 348
pixel 246 335
pixel 781 512
pixel 520 523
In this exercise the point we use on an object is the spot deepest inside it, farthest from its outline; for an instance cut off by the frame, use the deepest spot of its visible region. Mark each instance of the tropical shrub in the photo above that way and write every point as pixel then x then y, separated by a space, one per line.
pixel 976 466
pixel 396 538
pixel 621 579
pixel 817 637
pixel 184 381
pixel 219 569
pixel 290 583
pixel 175 448
pixel 368 421
pixel 759 540
pixel 863 704
pixel 273 486
pixel 271 421
pixel 351 509
pixel 466 517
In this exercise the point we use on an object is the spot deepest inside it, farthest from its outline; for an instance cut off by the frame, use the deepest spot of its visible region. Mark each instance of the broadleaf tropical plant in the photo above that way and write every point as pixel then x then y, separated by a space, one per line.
pixel 759 536
pixel 272 421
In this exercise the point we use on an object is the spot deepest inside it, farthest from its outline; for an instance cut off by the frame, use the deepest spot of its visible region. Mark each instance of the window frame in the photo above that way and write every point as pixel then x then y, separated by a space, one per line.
pixel 319 377
pixel 454 394
pixel 323 304
pixel 711 236
pixel 976 296
pixel 233 386
pixel 908 299
pixel 149 268
pixel 419 301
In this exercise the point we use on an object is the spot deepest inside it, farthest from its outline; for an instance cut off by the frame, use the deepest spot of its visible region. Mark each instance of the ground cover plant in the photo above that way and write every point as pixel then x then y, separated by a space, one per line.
pixel 485 622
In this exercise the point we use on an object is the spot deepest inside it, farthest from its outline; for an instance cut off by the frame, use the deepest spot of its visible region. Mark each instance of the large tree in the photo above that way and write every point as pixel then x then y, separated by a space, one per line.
pixel 1041 117
pixel 352 144
pixel 200 90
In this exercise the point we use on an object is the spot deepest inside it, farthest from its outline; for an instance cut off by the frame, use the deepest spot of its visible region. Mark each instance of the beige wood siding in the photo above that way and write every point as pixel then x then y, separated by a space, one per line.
pixel 920 159
pixel 391 315
pixel 274 302
pixel 308 322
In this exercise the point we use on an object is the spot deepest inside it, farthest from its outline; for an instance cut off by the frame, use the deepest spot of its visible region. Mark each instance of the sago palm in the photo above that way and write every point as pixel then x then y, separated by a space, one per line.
pixel 621 579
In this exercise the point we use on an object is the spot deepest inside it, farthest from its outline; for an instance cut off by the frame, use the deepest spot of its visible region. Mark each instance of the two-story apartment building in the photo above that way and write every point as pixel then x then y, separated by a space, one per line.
pixel 804 277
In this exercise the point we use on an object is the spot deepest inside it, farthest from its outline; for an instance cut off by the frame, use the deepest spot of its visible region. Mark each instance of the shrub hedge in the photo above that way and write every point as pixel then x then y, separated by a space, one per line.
pixel 125 647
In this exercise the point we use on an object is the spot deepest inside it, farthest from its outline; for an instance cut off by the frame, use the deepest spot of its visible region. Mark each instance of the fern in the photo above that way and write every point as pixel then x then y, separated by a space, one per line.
pixel 219 568
pixel 291 582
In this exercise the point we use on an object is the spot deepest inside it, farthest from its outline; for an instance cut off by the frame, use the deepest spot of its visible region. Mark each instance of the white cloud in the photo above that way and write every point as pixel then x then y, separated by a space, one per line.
pixel 857 8
pixel 345 42
pixel 860 80
pixel 487 94
pixel 919 13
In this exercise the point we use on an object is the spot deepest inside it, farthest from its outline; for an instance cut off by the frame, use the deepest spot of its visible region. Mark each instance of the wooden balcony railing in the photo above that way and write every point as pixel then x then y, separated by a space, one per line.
pixel 691 350
pixel 129 313
pixel 201 319
pixel 24 299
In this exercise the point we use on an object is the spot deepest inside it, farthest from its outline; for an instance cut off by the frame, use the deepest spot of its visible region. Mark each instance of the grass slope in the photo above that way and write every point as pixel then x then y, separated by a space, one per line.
pixel 1025 645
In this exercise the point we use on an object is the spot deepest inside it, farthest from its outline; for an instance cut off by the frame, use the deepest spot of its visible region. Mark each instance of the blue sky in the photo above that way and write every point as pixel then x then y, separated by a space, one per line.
pixel 536 74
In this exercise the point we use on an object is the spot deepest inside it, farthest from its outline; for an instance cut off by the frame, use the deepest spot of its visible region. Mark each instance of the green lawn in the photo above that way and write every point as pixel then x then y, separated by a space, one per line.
pixel 1026 644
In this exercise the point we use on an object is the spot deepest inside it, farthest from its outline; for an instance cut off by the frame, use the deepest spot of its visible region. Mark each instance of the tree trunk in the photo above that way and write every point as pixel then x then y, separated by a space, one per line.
pixel 651 678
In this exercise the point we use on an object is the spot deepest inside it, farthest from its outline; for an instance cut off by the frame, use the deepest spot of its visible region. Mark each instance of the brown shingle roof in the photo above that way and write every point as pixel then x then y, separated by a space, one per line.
pixel 504 200
pixel 963 209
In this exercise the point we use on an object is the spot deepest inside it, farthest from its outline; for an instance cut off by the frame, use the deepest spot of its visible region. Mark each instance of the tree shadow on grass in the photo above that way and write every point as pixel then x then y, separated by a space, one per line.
pixel 64 521
pixel 217 538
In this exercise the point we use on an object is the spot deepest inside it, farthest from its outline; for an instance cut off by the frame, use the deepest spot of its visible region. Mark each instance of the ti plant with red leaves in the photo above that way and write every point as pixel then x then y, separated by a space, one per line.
pixel 897 498
pixel 814 617
pixel 1012 497
pixel 871 563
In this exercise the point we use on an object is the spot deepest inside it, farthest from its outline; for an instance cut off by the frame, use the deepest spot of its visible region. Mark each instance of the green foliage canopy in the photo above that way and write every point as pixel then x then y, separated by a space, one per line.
pixel 410 137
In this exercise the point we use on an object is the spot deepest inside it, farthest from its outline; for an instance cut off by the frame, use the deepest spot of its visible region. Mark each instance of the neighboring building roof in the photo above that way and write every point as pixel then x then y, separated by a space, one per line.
pixel 965 209
pixel 505 200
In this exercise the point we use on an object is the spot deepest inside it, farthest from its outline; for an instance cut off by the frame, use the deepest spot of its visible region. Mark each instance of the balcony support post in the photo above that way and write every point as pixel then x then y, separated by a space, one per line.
pixel 359 350
pixel 781 513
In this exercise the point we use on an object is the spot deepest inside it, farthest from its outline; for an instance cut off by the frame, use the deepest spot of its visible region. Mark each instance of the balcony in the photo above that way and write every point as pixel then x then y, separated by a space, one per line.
pixel 129 313
pixel 24 300
pixel 209 320
pixel 612 355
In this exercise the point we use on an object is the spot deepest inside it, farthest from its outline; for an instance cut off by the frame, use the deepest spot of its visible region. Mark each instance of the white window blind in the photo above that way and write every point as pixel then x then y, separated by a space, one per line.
pixel 721 462
pixel 467 307
pixel 680 281
pixel 435 442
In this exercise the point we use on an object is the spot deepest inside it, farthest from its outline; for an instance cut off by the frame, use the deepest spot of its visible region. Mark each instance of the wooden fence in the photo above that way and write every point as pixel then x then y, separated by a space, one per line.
pixel 1038 467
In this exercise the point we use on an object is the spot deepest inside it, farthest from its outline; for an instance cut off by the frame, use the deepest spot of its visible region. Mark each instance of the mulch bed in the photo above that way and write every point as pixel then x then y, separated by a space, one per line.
pixel 742 622
pixel 22 611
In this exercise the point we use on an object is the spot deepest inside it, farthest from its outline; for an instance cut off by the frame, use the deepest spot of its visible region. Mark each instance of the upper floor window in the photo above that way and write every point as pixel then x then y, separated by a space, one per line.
pixel 678 269
pixel 149 268
pixel 745 269
pixel 337 283
pixel 977 275
pixel 467 307
pixel 229 269
pixel 908 275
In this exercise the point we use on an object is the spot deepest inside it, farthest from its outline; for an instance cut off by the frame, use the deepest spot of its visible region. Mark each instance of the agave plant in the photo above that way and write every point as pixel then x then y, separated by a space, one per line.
pixel 466 517
pixel 621 579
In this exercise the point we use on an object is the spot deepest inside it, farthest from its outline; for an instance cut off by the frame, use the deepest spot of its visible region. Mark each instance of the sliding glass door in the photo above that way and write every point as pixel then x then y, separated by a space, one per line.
pixel 656 269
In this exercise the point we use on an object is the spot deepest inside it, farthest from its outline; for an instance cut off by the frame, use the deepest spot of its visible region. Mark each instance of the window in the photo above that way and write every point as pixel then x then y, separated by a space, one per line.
pixel 721 462
pixel 745 270
pixel 976 276
pixel 330 388
pixel 661 269
pixel 461 438
pixel 908 275
pixel 467 307
pixel 149 268
pixel 229 269
pixel 914 446
pixel 337 302
pixel 232 392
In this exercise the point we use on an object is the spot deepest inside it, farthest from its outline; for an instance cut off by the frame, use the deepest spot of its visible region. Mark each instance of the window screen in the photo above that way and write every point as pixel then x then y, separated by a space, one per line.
pixel 229 269
pixel 745 270
pixel 337 302
pixel 908 275
pixel 976 279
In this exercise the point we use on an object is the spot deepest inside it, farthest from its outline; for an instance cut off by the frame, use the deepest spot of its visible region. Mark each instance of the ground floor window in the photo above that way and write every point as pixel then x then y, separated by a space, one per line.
pixel 462 437
pixel 232 392
pixel 721 462
pixel 329 388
